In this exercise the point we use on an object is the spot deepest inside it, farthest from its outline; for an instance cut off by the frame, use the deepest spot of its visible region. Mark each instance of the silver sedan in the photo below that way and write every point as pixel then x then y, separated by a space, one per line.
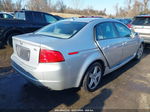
pixel 75 52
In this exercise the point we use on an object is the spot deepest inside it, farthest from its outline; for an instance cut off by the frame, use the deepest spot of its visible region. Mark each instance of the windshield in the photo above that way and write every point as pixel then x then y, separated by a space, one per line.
pixel 63 29
pixel 141 21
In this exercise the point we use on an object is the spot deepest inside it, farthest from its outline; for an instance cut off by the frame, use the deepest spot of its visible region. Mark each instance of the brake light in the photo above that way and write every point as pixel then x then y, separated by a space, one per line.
pixel 50 56
pixel 129 25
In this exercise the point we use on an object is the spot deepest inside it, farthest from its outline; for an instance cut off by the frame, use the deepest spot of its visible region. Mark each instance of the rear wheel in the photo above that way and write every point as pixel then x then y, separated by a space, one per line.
pixel 2 45
pixel 9 39
pixel 92 77
pixel 140 52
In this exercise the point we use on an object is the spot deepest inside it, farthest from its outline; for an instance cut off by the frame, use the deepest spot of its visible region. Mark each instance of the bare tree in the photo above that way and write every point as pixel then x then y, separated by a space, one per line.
pixel 117 9
pixel 137 8
pixel 132 8
pixel 145 4
pixel 129 4
pixel 1 5
pixel 61 7
pixel 38 5
pixel 18 4
pixel 7 5
pixel 76 4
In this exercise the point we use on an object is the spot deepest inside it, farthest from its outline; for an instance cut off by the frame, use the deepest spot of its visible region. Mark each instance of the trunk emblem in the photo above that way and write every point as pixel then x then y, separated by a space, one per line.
pixel 21 43
pixel 35 49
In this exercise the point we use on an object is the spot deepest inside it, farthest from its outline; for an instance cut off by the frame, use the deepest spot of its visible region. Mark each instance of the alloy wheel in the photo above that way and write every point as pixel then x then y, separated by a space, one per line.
pixel 94 77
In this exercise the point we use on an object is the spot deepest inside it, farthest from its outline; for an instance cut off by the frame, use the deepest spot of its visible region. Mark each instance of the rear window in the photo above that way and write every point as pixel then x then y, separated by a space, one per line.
pixel 20 15
pixel 62 29
pixel 141 21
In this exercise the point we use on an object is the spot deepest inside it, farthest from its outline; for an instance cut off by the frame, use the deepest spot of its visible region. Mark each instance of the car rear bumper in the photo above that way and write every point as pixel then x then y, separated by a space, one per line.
pixel 146 40
pixel 58 84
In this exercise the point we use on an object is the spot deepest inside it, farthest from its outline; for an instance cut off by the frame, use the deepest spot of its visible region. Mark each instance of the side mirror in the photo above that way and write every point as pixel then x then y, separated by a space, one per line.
pixel 134 34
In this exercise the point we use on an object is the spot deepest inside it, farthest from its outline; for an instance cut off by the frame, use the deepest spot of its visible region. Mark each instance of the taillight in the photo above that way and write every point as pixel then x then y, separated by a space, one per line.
pixel 50 56
pixel 129 25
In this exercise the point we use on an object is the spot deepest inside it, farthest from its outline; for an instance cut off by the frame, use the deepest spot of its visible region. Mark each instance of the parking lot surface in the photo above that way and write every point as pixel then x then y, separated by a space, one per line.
pixel 128 88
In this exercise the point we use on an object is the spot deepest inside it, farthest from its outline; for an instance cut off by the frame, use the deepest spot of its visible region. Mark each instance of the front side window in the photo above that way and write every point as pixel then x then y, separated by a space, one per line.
pixel 50 19
pixel 1 16
pixel 122 30
pixel 106 31
pixel 7 16
pixel 62 29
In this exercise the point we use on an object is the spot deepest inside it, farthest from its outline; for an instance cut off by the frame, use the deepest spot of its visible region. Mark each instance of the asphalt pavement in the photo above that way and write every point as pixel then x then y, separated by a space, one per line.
pixel 126 89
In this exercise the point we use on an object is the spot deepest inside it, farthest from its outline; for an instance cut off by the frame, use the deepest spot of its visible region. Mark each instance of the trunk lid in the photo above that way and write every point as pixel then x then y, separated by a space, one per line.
pixel 26 51
pixel 27 47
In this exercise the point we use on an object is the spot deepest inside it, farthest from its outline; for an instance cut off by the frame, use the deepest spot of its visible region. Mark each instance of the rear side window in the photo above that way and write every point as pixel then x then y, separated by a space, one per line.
pixel 122 30
pixel 141 21
pixel 62 29
pixel 106 31
pixel 38 17
pixel 20 15
pixel 99 34
pixel 49 18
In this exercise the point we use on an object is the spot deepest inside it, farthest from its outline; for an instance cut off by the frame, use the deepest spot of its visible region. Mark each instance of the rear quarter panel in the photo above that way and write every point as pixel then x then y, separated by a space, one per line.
pixel 88 52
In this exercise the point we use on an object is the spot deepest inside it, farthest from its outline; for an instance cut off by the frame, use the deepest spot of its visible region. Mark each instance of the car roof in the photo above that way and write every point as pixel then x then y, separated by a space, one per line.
pixel 4 13
pixel 28 11
pixel 31 11
pixel 148 15
pixel 88 20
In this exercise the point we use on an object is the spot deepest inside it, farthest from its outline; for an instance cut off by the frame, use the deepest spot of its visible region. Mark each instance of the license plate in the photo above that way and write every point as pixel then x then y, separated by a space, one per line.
pixel 23 52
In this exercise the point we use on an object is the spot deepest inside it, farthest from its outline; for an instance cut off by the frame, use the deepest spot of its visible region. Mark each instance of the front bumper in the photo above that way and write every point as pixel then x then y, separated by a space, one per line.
pixel 61 81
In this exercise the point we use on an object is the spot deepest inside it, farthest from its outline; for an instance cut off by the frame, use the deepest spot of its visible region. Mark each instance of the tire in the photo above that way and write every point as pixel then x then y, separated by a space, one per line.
pixel 139 52
pixel 2 45
pixel 9 39
pixel 92 77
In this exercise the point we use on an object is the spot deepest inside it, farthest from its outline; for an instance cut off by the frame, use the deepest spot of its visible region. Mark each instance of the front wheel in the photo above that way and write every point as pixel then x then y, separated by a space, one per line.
pixel 139 52
pixel 92 77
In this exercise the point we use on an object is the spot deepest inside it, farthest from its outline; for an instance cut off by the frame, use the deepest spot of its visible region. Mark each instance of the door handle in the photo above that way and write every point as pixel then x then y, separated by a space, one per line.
pixel 124 43
pixel 107 47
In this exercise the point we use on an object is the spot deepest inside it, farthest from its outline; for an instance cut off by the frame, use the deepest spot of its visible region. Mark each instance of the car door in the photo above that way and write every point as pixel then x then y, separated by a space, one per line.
pixel 38 21
pixel 130 44
pixel 109 43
